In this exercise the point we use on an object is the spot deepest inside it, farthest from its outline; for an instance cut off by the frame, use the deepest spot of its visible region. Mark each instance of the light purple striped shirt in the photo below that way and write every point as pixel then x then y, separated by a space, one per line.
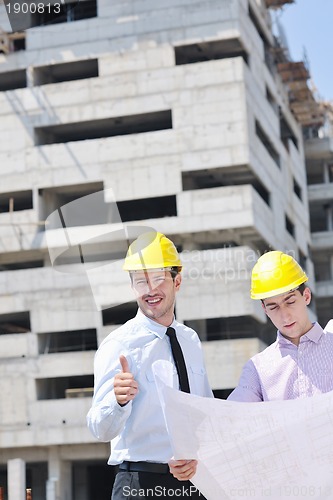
pixel 286 371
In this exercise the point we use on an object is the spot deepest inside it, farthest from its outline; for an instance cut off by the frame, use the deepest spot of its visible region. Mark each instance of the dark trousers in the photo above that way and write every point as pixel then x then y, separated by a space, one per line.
pixel 152 486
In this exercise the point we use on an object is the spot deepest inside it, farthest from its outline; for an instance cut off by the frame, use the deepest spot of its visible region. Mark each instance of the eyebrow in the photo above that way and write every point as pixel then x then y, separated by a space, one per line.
pixel 284 300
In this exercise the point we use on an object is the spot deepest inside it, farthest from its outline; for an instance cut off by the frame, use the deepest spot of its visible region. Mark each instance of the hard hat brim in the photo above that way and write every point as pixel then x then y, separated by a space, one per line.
pixel 276 293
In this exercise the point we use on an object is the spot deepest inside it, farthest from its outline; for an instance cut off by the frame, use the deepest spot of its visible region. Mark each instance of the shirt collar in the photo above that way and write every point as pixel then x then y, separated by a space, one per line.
pixel 152 326
pixel 314 335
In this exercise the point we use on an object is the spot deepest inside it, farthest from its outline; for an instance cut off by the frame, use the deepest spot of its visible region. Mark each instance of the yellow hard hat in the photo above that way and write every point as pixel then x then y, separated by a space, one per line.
pixel 275 273
pixel 151 250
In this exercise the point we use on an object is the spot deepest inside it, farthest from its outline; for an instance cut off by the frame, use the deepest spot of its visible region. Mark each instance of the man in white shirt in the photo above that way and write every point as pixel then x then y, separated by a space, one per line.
pixel 125 408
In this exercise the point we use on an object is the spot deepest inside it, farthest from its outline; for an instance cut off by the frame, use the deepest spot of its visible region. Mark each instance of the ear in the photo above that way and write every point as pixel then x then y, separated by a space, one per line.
pixel 177 281
pixel 307 295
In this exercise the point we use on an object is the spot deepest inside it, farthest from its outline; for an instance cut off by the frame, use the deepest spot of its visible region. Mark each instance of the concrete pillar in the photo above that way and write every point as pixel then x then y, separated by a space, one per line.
pixel 51 488
pixel 326 174
pixel 329 217
pixel 30 76
pixel 331 267
pixel 59 484
pixel 80 481
pixel 16 479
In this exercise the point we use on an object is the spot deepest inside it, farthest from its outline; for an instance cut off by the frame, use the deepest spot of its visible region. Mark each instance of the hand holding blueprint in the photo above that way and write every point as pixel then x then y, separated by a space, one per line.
pixel 273 450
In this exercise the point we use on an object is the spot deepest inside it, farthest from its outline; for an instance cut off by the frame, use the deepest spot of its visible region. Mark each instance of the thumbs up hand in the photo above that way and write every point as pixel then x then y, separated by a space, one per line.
pixel 125 387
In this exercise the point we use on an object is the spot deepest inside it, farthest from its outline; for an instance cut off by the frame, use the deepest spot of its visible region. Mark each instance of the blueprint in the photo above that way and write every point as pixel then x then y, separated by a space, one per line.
pixel 272 450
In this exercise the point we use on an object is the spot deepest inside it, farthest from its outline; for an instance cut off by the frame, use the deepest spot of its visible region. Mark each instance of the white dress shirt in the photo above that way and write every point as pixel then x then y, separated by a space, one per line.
pixel 137 431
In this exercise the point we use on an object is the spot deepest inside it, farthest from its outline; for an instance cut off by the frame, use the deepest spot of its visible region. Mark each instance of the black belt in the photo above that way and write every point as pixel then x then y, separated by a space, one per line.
pixel 145 467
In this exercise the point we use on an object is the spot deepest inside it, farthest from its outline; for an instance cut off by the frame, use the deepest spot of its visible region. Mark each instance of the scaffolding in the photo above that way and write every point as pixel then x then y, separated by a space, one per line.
pixel 9 41
pixel 307 110
pixel 27 492
pixel 4 47
pixel 327 128
pixel 295 76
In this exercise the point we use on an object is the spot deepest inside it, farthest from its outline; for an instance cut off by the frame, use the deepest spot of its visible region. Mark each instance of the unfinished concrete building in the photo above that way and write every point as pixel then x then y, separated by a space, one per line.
pixel 319 165
pixel 175 111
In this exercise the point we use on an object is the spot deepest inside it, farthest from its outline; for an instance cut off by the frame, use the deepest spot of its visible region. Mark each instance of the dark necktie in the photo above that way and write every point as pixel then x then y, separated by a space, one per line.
pixel 179 360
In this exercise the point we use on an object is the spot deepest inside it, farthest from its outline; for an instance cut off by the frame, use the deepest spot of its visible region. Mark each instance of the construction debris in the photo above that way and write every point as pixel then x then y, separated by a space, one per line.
pixel 276 4
pixel 11 42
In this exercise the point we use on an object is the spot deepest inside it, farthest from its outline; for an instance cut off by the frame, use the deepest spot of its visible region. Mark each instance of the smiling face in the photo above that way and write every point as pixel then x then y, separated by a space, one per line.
pixel 155 292
pixel 288 312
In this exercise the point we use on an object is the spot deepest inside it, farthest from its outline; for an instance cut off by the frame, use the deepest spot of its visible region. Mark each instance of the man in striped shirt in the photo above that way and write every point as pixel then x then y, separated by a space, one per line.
pixel 299 363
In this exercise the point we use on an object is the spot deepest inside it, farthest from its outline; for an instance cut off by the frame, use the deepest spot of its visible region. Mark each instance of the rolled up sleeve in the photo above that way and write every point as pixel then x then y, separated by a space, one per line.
pixel 249 387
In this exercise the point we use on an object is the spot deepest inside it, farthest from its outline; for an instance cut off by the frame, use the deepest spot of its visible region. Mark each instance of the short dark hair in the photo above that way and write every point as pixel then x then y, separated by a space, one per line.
pixel 174 271
pixel 300 288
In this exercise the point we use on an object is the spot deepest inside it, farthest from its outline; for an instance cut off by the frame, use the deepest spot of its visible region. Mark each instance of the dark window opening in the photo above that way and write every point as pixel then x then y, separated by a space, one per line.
pixel 12 42
pixel 13 80
pixel 95 476
pixel 118 315
pixel 315 172
pixel 208 51
pixel 322 266
pixel 269 59
pixel 324 309
pixel 3 480
pixel 303 260
pixel 286 132
pixel 18 42
pixel 297 189
pixel 257 25
pixel 66 13
pixel 148 208
pixel 230 328
pixel 15 323
pixel 313 306
pixel 76 340
pixel 15 201
pixel 217 245
pixel 224 176
pixel 17 266
pixel 65 387
pixel 290 227
pixel 267 144
pixel 108 127
pixel 107 247
pixel 98 250
pixel 91 210
pixel 318 221
pixel 36 478
pixel 270 98
pixel 65 72
pixel 310 132
pixel 309 252
pixel 321 217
